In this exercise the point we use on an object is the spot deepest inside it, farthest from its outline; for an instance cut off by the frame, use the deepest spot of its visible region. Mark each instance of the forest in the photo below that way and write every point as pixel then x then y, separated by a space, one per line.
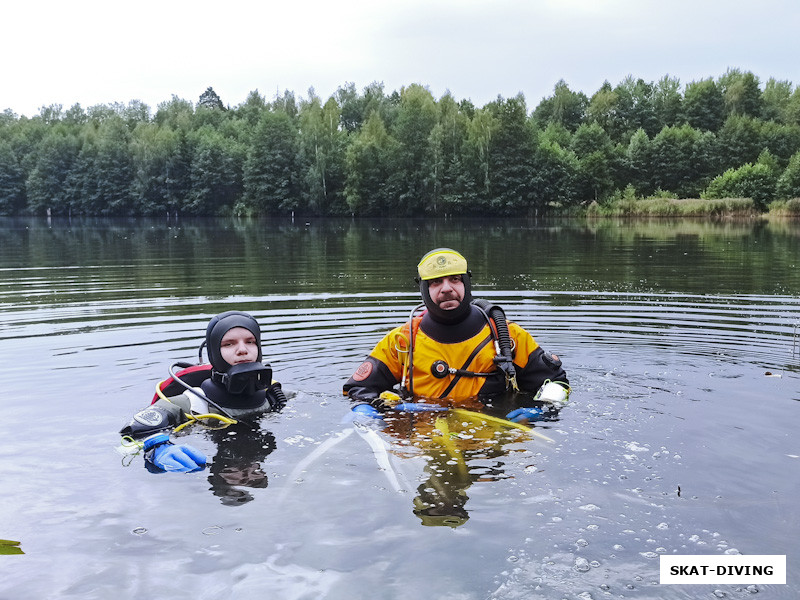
pixel 407 153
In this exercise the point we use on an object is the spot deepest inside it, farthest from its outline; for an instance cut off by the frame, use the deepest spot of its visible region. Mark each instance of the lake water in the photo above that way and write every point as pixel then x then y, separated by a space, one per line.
pixel 680 340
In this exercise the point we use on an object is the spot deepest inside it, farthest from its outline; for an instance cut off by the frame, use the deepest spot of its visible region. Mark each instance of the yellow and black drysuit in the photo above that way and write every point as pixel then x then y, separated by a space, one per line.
pixel 452 362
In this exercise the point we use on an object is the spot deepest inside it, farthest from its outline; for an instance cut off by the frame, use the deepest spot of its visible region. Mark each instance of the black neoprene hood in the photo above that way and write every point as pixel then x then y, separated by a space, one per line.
pixel 448 317
pixel 219 326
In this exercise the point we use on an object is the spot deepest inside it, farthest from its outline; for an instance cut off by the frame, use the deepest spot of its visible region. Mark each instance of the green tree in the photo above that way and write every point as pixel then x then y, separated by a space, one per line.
pixel 478 148
pixel 635 108
pixel 322 151
pixel 286 104
pixel 216 173
pixel 639 161
pixel 740 141
pixel 741 93
pixel 512 159
pixel 12 181
pixel 413 161
pixel 210 100
pixel 176 113
pixel 113 170
pixel 564 107
pixel 668 102
pixel 793 108
pixel 556 176
pixel 160 169
pixel 780 139
pixel 356 109
pixel 368 168
pixel 448 137
pixel 80 186
pixel 604 110
pixel 252 108
pixel 704 106
pixel 789 182
pixel 270 169
pixel 596 161
pixel 680 160
pixel 55 156
pixel 775 100
pixel 76 116
pixel 757 181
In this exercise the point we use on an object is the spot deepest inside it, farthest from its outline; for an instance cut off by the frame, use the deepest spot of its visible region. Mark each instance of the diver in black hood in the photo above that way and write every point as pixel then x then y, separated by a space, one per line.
pixel 240 383
pixel 235 386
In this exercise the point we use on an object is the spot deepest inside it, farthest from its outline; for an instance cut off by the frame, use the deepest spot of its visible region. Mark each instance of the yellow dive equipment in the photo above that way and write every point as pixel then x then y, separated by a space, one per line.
pixel 477 417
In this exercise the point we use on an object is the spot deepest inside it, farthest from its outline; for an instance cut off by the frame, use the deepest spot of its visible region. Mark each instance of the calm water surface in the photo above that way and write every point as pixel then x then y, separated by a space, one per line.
pixel 680 339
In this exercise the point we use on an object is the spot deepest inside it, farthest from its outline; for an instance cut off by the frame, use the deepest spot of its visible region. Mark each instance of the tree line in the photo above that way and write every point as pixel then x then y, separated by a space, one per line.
pixel 405 152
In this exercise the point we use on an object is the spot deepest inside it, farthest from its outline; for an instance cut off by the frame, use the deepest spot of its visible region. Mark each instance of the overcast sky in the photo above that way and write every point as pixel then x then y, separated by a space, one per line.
pixel 97 52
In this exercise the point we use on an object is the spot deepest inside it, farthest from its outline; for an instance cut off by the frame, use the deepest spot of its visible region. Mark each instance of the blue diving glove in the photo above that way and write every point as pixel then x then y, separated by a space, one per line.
pixel 366 414
pixel 525 415
pixel 162 455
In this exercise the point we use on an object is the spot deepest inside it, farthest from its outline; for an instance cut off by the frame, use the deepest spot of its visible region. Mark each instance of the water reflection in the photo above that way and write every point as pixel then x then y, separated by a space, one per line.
pixel 667 329
pixel 457 453
pixel 238 462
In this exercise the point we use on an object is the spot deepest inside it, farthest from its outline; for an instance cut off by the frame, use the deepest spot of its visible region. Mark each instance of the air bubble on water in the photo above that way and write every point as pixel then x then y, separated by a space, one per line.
pixel 212 530
pixel 649 554
pixel 594 564
pixel 619 547
pixel 581 565
pixel 140 530
pixel 581 542
pixel 513 559
pixel 732 551
pixel 662 526
pixel 719 593
pixel 589 507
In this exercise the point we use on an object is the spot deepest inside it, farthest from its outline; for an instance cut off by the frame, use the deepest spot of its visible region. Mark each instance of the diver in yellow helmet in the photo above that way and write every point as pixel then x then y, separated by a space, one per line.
pixel 458 352
pixel 444 282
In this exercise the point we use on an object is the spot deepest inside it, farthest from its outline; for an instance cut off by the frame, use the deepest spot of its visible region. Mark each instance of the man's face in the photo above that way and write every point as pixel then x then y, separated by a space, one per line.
pixel 447 292
pixel 238 346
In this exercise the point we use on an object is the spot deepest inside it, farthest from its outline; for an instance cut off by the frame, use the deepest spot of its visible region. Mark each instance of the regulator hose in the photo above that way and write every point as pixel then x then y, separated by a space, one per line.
pixel 505 357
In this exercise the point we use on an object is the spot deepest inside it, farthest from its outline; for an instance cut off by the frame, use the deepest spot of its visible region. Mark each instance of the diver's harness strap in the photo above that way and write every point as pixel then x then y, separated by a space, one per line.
pixel 504 351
